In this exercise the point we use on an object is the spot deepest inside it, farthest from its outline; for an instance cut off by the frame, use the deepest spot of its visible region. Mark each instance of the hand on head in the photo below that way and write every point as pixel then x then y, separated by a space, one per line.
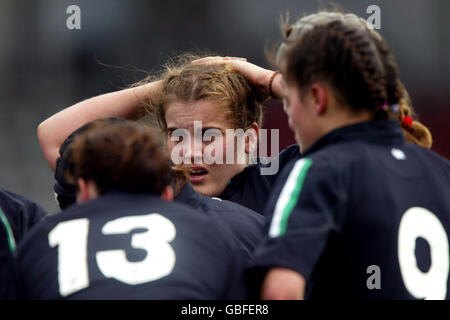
pixel 257 76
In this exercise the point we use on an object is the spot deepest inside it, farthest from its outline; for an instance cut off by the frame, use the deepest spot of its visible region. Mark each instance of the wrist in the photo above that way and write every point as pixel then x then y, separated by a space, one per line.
pixel 271 84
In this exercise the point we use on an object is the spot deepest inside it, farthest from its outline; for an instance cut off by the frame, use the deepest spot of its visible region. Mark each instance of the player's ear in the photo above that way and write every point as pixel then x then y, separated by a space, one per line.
pixel 87 190
pixel 251 141
pixel 167 194
pixel 319 95
pixel 83 190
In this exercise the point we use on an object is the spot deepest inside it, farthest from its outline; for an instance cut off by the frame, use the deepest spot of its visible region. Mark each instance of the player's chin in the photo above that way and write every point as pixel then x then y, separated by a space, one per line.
pixel 207 188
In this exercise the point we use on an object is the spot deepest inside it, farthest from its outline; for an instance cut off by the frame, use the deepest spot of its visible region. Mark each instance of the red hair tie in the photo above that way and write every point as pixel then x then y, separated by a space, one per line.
pixel 407 122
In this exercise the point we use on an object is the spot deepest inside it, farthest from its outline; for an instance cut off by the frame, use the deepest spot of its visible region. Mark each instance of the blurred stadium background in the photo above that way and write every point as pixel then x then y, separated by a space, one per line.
pixel 45 67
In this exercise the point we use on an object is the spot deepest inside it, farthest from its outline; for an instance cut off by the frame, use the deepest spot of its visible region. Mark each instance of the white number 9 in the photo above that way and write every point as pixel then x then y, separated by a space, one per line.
pixel 431 285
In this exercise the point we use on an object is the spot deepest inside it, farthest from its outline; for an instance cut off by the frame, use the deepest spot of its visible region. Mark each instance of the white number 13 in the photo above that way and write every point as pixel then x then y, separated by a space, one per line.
pixel 71 239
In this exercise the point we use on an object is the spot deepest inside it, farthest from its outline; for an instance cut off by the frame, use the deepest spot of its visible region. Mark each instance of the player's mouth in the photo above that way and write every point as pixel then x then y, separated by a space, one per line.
pixel 197 174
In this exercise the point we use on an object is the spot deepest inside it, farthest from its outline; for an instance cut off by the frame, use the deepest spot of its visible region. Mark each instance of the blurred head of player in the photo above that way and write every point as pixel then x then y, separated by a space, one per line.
pixel 338 72
pixel 220 99
pixel 111 156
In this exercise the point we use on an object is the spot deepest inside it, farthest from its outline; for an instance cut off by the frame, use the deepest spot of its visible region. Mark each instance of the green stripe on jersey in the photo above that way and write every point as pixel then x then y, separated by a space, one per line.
pixel 9 233
pixel 289 197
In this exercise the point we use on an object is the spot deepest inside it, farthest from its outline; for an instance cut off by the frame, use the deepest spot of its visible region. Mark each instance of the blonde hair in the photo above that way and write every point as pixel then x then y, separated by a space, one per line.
pixel 186 82
pixel 417 133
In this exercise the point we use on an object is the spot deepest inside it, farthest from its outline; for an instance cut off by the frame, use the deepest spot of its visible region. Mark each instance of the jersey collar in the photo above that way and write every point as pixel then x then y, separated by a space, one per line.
pixel 189 196
pixel 377 132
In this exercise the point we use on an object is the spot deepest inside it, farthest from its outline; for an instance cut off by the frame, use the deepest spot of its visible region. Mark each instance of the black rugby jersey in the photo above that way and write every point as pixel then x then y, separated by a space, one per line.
pixel 245 225
pixel 363 215
pixel 251 188
pixel 130 246
pixel 17 216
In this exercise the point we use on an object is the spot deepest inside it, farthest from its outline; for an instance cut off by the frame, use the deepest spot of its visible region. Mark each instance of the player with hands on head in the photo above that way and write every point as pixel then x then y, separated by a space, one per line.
pixel 218 96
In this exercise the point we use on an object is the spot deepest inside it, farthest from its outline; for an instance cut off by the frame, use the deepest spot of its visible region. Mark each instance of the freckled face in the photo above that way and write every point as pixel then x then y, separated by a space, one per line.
pixel 207 179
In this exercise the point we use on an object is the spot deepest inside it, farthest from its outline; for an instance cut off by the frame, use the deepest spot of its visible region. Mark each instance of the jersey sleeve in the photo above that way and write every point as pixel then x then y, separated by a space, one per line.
pixel 65 192
pixel 246 225
pixel 10 288
pixel 17 216
pixel 33 211
pixel 22 214
pixel 237 287
pixel 308 210
pixel 6 254
pixel 235 259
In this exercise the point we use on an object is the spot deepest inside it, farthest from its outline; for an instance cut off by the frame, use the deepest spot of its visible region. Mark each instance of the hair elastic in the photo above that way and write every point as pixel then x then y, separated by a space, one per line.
pixel 395 108
pixel 270 83
pixel 407 121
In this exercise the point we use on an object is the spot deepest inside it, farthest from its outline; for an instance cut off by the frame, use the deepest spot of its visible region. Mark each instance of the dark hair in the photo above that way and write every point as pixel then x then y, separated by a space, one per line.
pixel 345 56
pixel 120 156
pixel 380 82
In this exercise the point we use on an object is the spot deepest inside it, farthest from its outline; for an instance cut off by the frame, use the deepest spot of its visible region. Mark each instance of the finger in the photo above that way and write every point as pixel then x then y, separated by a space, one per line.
pixel 216 59
pixel 205 59
pixel 211 63
pixel 210 58
pixel 235 58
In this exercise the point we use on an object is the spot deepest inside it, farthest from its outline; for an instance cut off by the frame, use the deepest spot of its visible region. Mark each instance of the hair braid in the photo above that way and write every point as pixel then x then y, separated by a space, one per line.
pixel 392 79
pixel 341 50
pixel 365 56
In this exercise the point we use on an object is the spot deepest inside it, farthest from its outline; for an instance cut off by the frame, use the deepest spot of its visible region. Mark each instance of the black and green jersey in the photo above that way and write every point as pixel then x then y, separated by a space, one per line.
pixel 252 186
pixel 363 215
pixel 17 216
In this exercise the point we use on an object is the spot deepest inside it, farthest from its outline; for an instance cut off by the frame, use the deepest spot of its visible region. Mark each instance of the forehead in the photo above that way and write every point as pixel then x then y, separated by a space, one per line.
pixel 210 112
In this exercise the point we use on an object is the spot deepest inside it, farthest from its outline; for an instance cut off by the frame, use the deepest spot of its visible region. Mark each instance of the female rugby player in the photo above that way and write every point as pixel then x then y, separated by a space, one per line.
pixel 217 96
pixel 363 214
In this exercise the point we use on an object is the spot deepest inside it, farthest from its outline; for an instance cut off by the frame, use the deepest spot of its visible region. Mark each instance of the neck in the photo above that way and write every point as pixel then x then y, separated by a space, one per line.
pixel 336 121
pixel 347 119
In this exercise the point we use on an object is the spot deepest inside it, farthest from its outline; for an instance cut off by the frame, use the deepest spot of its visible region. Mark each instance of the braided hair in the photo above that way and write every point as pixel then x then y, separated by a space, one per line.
pixel 378 84
pixel 345 57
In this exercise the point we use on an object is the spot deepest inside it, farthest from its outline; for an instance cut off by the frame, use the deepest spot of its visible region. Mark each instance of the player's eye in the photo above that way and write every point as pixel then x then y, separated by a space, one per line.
pixel 176 135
